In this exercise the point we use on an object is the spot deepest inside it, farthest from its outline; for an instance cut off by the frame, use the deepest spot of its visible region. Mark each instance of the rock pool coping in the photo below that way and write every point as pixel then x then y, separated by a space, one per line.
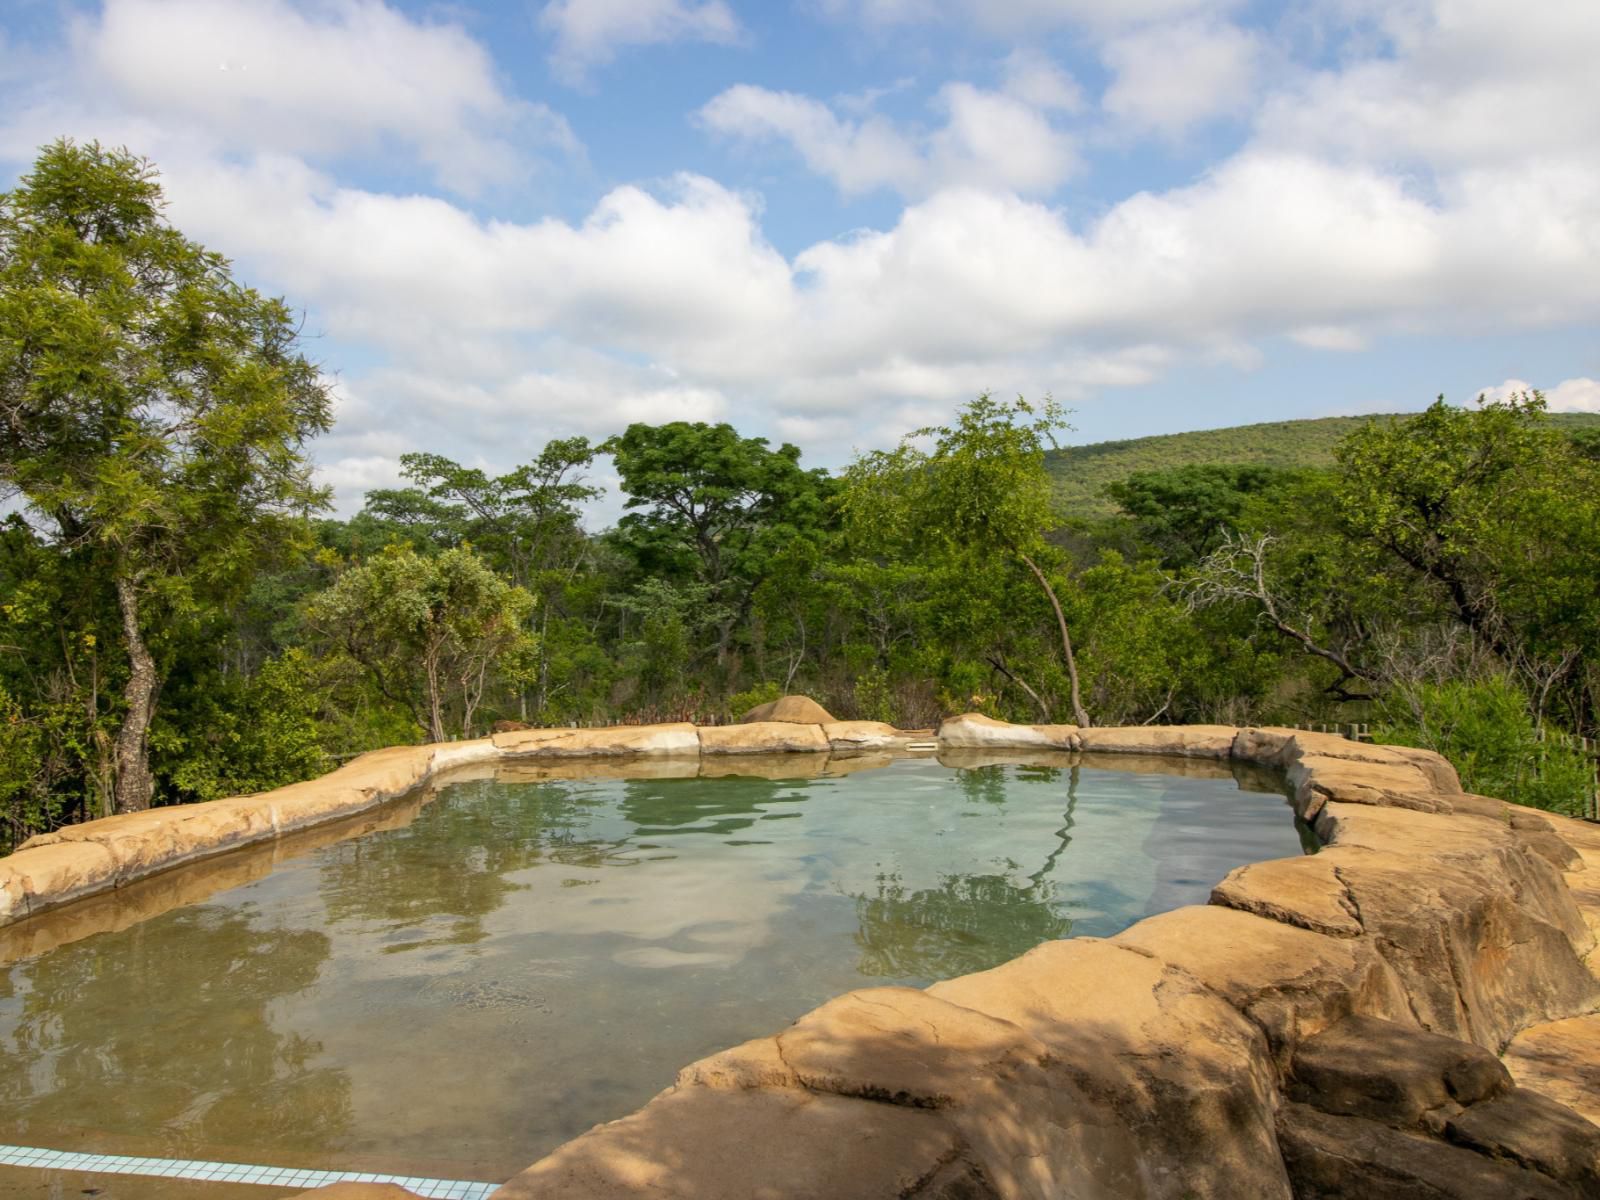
pixel 1185 1056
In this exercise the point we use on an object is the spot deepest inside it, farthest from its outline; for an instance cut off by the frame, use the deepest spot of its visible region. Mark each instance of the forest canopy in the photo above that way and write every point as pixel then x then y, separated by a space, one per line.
pixel 182 619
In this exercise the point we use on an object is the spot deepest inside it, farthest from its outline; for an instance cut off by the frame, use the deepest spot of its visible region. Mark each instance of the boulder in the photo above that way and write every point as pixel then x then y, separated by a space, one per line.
pixel 1318 778
pixel 1351 1158
pixel 798 710
pixel 1141 1045
pixel 1476 927
pixel 1290 982
pixel 42 877
pixel 1397 1074
pixel 1534 1132
pixel 762 737
pixel 974 731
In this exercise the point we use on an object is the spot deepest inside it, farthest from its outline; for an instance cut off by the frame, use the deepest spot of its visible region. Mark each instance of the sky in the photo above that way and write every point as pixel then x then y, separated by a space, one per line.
pixel 829 222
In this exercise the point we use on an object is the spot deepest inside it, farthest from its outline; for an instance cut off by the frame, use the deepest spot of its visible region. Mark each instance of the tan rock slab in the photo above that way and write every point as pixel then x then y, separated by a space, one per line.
pixel 50 875
pixel 762 737
pixel 974 731
pixel 1475 958
pixel 1534 1131
pixel 1189 741
pixel 1280 746
pixel 1304 891
pixel 865 735
pixel 903 1046
pixel 677 738
pixel 1317 779
pixel 697 1143
pixel 13 894
pixel 1397 1074
pixel 1330 1156
pixel 1561 1060
pixel 1144 1047
pixel 799 710
pixel 1290 982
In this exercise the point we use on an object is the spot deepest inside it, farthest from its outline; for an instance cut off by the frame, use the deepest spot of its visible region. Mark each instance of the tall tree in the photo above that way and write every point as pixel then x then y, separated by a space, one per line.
pixel 983 489
pixel 715 507
pixel 153 412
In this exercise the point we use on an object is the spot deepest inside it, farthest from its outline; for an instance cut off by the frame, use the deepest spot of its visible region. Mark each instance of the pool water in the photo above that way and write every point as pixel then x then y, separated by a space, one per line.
pixel 528 957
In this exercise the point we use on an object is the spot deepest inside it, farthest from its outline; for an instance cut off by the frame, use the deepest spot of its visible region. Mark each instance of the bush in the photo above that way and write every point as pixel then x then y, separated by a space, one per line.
pixel 1487 729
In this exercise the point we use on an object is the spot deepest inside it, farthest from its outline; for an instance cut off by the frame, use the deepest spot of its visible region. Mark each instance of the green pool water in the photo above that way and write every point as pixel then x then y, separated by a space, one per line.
pixel 523 959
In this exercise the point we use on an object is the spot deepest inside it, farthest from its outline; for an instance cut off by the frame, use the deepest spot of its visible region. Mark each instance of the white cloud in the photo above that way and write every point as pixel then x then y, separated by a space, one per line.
pixel 1017 17
pixel 1461 85
pixel 1570 395
pixel 988 138
pixel 1170 77
pixel 588 33
pixel 1330 337
pixel 348 76
pixel 1033 79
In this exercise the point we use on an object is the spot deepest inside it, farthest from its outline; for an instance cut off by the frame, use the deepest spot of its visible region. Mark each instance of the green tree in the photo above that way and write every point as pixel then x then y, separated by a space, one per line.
pixel 981 490
pixel 432 633
pixel 1497 515
pixel 153 412
pixel 710 506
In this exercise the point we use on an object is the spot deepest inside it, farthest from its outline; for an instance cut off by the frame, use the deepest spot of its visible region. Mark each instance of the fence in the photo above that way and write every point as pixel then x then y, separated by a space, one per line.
pixel 1589 748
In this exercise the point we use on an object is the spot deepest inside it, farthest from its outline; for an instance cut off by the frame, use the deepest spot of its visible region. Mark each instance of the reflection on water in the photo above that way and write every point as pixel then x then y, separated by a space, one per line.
pixel 527 957
pixel 104 1034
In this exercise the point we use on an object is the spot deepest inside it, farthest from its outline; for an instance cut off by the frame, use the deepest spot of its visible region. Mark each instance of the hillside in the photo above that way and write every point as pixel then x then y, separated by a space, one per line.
pixel 1082 472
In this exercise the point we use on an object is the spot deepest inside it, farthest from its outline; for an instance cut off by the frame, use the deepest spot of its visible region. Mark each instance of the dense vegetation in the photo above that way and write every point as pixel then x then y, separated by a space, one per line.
pixel 182 619
pixel 1082 475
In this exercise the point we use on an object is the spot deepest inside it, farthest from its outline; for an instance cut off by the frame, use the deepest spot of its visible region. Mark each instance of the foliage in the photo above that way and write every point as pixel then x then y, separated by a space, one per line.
pixel 1082 475
pixel 431 633
pixel 708 506
pixel 153 413
pixel 1486 729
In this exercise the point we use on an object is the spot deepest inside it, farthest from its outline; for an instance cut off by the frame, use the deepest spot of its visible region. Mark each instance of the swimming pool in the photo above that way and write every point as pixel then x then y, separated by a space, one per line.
pixel 529 955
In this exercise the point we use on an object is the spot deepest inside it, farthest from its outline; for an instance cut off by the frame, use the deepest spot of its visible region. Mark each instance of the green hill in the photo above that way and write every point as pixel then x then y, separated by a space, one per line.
pixel 1082 472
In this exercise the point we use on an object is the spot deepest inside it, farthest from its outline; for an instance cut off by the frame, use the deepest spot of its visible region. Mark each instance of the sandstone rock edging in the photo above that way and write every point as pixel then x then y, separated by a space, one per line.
pixel 1188 1055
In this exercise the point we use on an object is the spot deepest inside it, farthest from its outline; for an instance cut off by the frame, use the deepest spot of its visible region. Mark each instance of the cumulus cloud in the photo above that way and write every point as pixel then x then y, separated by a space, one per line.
pixel 1016 17
pixel 989 138
pixel 1167 78
pixel 346 77
pixel 589 33
pixel 1337 221
pixel 1570 395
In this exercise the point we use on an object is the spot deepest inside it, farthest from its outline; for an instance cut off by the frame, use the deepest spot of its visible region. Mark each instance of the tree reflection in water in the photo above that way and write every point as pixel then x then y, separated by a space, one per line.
pixel 450 869
pixel 969 922
pixel 115 1019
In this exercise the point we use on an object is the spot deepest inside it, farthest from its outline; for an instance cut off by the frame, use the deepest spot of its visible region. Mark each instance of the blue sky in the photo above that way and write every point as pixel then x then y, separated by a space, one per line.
pixel 831 221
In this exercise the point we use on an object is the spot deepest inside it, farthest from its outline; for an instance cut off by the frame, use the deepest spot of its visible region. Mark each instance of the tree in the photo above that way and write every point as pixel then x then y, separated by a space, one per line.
pixel 432 633
pixel 153 412
pixel 1496 514
pixel 982 489
pixel 714 507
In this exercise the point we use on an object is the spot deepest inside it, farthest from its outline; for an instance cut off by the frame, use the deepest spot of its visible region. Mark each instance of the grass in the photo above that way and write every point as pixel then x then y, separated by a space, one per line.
pixel 1081 473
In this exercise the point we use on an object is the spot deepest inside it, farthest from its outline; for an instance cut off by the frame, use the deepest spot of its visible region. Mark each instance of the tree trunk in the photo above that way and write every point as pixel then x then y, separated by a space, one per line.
pixel 134 784
pixel 1078 712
